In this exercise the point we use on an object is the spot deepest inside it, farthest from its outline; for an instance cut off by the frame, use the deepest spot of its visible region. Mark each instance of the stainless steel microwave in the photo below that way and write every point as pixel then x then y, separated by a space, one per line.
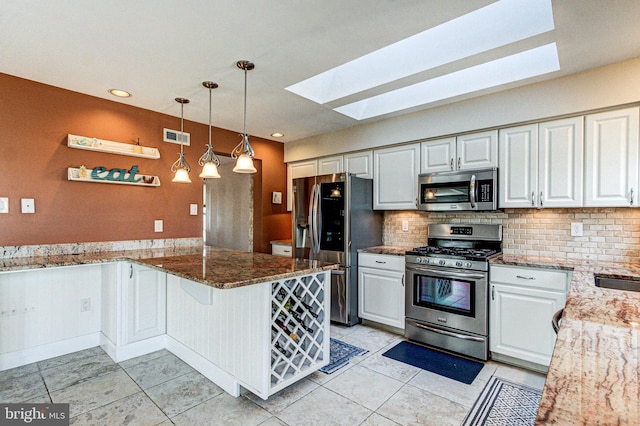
pixel 468 190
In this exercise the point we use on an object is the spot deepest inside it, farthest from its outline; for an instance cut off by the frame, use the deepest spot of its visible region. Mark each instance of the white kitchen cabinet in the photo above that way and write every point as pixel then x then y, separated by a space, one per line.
pixel 612 156
pixel 278 249
pixel 330 165
pixel 297 170
pixel 359 163
pixel 541 165
pixel 466 152
pixel 144 303
pixel 522 304
pixel 438 155
pixel 381 289
pixel 395 181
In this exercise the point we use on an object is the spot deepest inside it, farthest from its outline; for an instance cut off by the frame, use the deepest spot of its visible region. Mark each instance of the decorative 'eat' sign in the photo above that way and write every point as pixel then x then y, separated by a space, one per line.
pixel 115 174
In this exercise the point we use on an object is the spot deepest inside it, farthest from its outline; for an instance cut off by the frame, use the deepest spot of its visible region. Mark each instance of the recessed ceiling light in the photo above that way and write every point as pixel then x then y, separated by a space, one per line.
pixel 120 93
pixel 530 63
pixel 490 27
pixel 277 135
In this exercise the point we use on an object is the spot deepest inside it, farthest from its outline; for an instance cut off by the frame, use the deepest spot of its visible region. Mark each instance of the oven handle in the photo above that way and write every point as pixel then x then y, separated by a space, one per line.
pixel 446 333
pixel 444 274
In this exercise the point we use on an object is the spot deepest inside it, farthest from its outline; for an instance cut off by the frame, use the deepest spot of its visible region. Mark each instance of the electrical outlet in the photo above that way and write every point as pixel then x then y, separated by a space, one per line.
pixel 405 225
pixel 157 226
pixel 193 209
pixel 576 229
pixel 85 305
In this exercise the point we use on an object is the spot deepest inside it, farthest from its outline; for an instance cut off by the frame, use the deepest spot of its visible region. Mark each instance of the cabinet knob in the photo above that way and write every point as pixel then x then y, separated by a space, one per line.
pixel 451 163
pixel 458 163
pixel 533 199
pixel 631 202
pixel 541 199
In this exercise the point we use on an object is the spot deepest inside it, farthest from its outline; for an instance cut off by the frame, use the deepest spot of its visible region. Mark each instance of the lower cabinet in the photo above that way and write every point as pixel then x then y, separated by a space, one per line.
pixel 522 304
pixel 144 298
pixel 381 291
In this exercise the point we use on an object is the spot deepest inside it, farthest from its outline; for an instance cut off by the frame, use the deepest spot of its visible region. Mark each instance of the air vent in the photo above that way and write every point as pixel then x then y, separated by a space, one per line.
pixel 174 136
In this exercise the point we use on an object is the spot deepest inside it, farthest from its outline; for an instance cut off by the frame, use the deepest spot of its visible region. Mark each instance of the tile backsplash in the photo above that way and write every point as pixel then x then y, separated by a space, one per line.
pixel 610 234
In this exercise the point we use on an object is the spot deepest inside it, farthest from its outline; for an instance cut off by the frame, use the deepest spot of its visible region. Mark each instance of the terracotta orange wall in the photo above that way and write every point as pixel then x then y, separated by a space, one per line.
pixel 35 120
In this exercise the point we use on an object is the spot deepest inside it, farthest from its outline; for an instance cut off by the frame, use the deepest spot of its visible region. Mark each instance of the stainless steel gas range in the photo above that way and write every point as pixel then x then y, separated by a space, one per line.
pixel 447 288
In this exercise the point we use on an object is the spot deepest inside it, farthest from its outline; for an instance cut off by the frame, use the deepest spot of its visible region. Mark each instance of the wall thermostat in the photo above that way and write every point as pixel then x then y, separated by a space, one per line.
pixel 276 197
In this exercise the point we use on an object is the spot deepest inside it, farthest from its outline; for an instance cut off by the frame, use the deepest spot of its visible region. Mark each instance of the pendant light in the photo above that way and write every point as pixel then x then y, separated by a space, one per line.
pixel 209 160
pixel 243 151
pixel 181 168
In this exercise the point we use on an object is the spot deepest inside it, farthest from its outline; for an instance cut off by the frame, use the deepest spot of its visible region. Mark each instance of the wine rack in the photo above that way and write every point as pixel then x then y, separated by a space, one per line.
pixel 299 328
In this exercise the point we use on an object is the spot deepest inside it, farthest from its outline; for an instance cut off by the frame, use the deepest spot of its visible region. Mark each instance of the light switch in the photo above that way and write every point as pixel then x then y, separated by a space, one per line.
pixel 28 205
pixel 405 225
pixel 4 205
pixel 157 225
pixel 193 209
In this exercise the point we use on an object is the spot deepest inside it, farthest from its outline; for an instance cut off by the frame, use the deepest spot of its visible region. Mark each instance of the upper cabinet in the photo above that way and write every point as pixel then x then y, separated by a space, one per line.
pixel 466 152
pixel 359 163
pixel 541 165
pixel 297 170
pixel 330 165
pixel 395 177
pixel 611 177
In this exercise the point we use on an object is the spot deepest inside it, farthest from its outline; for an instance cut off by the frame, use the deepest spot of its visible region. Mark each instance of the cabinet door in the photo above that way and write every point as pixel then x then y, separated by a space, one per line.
pixel 296 170
pixel 144 301
pixel 438 156
pixel 360 163
pixel 477 150
pixel 520 322
pixel 560 165
pixel 395 182
pixel 518 167
pixel 612 159
pixel 330 165
pixel 381 296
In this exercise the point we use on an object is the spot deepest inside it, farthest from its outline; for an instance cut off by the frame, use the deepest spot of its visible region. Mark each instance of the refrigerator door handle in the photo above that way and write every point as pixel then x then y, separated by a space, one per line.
pixel 313 223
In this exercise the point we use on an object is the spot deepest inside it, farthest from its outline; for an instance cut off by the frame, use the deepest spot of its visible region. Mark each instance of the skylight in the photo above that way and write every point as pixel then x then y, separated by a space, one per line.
pixel 530 63
pixel 490 27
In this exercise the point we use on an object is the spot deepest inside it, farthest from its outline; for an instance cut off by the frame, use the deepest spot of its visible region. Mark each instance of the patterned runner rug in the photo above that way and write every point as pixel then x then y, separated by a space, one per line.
pixel 340 353
pixel 504 403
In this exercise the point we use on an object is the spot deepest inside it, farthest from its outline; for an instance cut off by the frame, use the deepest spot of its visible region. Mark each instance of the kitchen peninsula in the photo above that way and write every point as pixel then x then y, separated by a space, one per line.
pixel 241 319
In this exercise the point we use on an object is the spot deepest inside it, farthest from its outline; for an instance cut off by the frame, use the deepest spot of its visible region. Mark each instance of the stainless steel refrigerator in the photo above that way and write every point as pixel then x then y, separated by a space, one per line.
pixel 333 217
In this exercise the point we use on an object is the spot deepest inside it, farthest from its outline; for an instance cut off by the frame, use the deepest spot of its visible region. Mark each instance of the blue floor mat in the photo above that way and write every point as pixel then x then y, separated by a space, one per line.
pixel 451 366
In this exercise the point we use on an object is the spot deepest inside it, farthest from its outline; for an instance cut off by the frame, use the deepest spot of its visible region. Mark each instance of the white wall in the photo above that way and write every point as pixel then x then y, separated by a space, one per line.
pixel 603 87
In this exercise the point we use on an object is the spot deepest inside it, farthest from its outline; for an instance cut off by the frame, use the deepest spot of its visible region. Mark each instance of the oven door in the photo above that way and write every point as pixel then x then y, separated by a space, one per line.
pixel 448 298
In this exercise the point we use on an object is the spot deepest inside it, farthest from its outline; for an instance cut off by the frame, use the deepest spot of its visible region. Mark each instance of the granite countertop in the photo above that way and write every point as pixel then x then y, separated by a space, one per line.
pixel 593 377
pixel 220 268
pixel 389 250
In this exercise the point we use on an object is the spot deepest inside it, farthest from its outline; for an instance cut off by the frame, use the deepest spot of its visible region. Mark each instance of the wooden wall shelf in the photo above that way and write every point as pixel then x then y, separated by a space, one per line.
pixel 101 145
pixel 73 174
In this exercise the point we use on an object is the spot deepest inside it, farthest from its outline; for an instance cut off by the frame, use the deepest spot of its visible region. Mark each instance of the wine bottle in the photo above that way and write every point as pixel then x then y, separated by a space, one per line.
pixel 278 346
pixel 309 309
pixel 300 321
pixel 284 328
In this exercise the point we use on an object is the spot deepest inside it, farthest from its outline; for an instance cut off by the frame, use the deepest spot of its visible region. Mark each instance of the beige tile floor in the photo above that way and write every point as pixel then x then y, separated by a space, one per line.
pixel 159 388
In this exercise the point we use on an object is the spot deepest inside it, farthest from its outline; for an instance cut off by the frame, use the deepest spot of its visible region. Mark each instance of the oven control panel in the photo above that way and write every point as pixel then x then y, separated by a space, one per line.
pixel 448 263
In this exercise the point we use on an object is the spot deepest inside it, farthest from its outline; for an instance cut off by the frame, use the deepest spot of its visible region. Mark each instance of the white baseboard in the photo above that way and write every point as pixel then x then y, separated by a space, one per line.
pixel 51 350
pixel 205 367
pixel 132 350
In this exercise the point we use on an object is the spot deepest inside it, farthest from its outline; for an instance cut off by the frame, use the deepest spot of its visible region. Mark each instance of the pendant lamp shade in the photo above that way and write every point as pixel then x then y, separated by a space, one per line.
pixel 209 160
pixel 181 168
pixel 243 152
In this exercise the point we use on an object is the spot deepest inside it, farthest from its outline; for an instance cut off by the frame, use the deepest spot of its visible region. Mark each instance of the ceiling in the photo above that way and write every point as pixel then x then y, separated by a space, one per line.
pixel 163 49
